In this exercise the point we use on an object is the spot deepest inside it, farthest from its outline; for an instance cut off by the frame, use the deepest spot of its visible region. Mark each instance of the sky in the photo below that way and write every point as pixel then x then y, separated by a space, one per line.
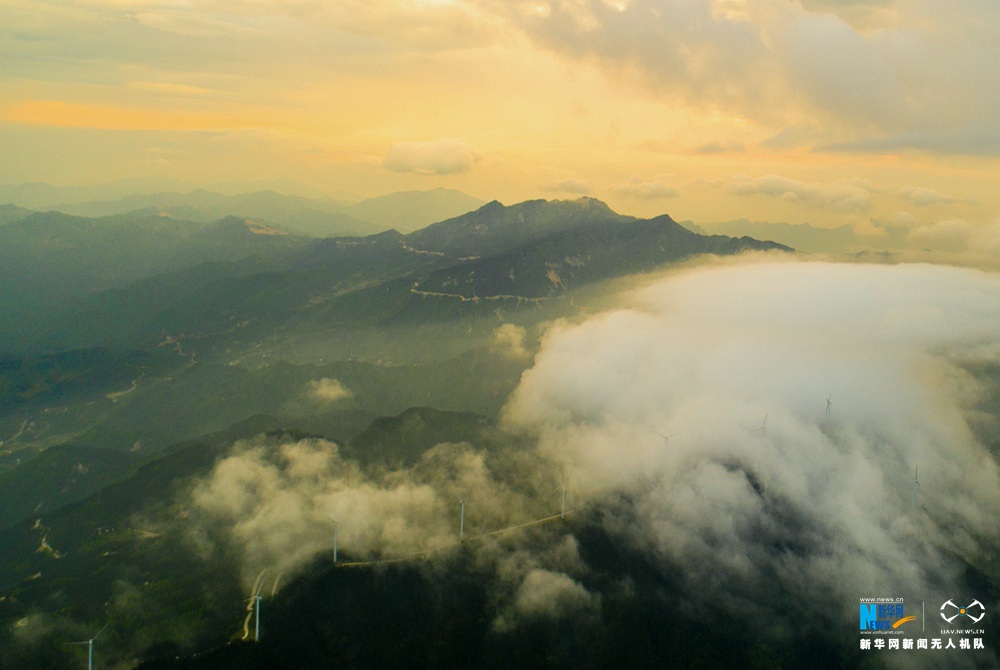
pixel 867 113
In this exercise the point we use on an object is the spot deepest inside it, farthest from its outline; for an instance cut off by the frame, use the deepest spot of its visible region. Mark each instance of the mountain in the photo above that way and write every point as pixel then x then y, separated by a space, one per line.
pixel 57 477
pixel 495 229
pixel 107 536
pixel 66 375
pixel 297 214
pixel 10 213
pixel 86 254
pixel 397 442
pixel 407 211
pixel 470 265
pixel 316 217
pixel 448 612
pixel 50 260
pixel 804 236
pixel 135 559
pixel 39 195
pixel 539 249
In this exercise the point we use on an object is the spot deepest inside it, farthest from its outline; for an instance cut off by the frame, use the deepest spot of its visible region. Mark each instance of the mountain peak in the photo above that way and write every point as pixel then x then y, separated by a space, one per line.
pixel 495 228
pixel 411 210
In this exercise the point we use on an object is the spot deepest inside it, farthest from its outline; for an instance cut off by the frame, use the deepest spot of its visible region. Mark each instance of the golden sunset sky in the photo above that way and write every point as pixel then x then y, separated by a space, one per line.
pixel 861 112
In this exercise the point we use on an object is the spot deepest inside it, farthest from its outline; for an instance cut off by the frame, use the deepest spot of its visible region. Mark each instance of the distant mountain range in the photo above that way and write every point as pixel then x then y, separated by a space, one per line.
pixel 127 280
pixel 313 216
pixel 407 211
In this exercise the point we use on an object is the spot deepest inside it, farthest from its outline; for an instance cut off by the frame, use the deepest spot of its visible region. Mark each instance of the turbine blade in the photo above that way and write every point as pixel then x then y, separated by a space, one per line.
pixel 277 580
pixel 101 631
pixel 259 582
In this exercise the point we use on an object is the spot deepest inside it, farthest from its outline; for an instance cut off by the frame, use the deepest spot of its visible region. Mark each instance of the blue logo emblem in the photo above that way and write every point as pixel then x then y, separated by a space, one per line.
pixel 882 616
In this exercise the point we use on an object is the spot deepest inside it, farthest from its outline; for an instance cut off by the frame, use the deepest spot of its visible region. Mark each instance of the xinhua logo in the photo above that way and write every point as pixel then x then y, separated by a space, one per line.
pixel 974 610
pixel 885 616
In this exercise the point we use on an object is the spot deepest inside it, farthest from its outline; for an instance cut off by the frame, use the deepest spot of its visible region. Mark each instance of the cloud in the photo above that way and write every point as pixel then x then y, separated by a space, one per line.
pixel 901 219
pixel 860 13
pixel 637 187
pixel 922 197
pixel 508 339
pixel 757 503
pixel 570 185
pixel 271 500
pixel 443 156
pixel 865 73
pixel 842 195
pixel 328 390
pixel 978 139
pixel 859 86
pixel 976 243
pixel 551 594
pixel 721 148
pixel 756 492
pixel 687 48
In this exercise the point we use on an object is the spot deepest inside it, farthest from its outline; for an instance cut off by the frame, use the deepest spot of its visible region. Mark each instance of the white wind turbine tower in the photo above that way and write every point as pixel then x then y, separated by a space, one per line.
pixel 335 526
pixel 916 484
pixel 461 523
pixel 90 647
pixel 256 601
pixel 562 513
pixel 829 404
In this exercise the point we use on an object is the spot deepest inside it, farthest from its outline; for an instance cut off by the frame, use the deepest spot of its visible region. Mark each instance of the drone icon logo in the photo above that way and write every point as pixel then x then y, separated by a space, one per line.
pixel 955 611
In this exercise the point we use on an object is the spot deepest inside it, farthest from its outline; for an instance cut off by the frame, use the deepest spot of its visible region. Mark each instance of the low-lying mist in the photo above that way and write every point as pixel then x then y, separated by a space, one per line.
pixel 780 438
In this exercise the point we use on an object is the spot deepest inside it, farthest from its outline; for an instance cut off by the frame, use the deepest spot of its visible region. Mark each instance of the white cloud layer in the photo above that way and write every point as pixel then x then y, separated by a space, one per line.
pixel 975 243
pixel 874 75
pixel 756 490
pixel 922 197
pixel 509 339
pixel 570 185
pixel 845 195
pixel 653 189
pixel 328 390
pixel 442 156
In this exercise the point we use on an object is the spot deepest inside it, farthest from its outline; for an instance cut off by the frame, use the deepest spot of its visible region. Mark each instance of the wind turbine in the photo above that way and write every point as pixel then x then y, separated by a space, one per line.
pixel 562 514
pixel 763 426
pixel 335 526
pixel 916 484
pixel 829 404
pixel 257 598
pixel 461 525
pixel 666 438
pixel 90 647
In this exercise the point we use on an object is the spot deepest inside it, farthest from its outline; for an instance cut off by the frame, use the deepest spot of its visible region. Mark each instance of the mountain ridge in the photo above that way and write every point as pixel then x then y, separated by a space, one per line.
pixel 506 254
